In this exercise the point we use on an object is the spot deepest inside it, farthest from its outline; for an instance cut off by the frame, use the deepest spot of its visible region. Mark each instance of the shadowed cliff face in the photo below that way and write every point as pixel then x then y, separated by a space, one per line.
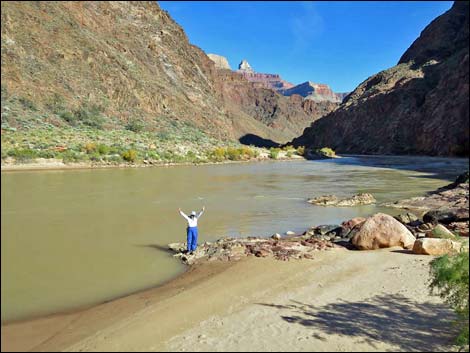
pixel 129 60
pixel 420 106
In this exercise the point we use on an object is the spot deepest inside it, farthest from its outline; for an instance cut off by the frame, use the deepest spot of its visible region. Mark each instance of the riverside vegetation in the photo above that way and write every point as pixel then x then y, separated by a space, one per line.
pixel 450 277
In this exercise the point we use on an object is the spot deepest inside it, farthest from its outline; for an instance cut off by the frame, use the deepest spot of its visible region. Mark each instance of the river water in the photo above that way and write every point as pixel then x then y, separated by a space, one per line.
pixel 74 238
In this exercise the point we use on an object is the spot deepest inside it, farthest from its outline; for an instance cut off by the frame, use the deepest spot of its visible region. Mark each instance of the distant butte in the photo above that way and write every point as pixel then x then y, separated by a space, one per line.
pixel 317 92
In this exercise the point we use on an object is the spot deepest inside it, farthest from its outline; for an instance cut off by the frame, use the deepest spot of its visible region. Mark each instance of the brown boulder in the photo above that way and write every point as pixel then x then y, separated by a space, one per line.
pixel 382 231
pixel 353 222
pixel 440 231
pixel 436 246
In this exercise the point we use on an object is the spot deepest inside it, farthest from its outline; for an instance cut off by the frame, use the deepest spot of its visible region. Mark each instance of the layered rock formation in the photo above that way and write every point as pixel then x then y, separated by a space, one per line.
pixel 220 62
pixel 130 60
pixel 317 92
pixel 420 106
pixel 285 116
pixel 244 66
pixel 271 81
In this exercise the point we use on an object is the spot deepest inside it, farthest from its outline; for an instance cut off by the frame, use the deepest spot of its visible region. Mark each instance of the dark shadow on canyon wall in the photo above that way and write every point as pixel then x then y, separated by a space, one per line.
pixel 255 140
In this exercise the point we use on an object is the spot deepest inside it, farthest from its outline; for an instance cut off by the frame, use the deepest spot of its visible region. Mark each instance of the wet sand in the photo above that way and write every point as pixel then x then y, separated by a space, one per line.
pixel 340 301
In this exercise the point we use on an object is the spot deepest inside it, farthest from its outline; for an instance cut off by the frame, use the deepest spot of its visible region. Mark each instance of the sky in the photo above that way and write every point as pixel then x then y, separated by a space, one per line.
pixel 339 43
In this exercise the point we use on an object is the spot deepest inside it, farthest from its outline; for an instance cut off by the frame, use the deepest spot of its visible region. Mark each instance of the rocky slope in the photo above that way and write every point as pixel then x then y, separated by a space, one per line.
pixel 285 116
pixel 419 106
pixel 110 64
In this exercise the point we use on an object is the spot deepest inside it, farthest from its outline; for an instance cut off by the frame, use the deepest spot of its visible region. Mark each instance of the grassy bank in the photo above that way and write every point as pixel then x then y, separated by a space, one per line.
pixel 71 145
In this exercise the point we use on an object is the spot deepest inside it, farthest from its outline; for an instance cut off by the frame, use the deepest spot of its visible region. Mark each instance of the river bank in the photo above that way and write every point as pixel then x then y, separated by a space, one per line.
pixel 56 164
pixel 339 301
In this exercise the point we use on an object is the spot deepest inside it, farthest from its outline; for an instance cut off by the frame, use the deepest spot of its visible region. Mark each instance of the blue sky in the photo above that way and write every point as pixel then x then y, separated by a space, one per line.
pixel 337 43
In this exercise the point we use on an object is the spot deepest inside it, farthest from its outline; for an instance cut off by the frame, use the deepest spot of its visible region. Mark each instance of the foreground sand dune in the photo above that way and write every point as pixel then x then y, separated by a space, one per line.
pixel 340 301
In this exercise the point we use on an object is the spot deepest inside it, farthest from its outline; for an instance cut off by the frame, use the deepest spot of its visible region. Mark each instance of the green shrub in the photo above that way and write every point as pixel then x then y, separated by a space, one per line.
pixel 326 151
pixel 129 155
pixel 103 149
pixel 218 154
pixel 450 277
pixel 114 158
pixel 191 156
pixel 135 125
pixel 46 154
pixel 90 115
pixel 70 156
pixel 152 155
pixel 288 148
pixel 274 152
pixel 95 157
pixel 300 150
pixel 23 154
pixel 89 147
pixel 247 152
pixel 69 117
pixel 163 136
pixel 234 154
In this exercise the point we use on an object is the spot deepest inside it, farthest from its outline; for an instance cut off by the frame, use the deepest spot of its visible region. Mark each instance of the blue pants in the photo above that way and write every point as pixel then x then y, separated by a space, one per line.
pixel 192 238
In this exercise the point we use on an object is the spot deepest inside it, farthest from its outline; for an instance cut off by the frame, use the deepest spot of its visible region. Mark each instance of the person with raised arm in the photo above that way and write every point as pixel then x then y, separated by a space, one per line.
pixel 191 230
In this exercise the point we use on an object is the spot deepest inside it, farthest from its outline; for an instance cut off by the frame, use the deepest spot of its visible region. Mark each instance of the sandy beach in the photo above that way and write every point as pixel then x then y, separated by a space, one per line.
pixel 339 301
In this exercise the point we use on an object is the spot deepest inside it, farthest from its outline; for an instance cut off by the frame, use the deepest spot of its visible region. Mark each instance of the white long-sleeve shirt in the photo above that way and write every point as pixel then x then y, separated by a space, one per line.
pixel 192 221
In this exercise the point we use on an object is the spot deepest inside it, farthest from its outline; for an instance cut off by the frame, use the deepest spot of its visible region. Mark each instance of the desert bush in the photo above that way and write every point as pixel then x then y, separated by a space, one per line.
pixel 135 125
pixel 95 157
pixel 71 156
pixel 23 154
pixel 234 154
pixel 103 149
pixel 129 155
pixel 326 151
pixel 69 117
pixel 300 150
pixel 450 277
pixel 190 155
pixel 90 115
pixel 274 152
pixel 288 148
pixel 218 154
pixel 89 147
pixel 114 158
pixel 47 154
pixel 247 152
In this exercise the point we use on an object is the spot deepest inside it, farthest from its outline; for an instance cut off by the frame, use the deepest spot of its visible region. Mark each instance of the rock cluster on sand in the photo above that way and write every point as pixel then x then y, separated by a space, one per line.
pixel 233 249
pixel 443 205
pixel 332 200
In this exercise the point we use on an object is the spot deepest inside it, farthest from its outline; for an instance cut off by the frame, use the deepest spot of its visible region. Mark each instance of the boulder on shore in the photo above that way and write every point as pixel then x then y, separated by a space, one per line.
pixel 440 231
pixel 436 246
pixel 407 218
pixel 446 216
pixel 382 231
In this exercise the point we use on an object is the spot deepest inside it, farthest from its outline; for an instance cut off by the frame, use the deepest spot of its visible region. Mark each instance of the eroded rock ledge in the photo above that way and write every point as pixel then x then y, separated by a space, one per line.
pixel 233 249
pixel 332 200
